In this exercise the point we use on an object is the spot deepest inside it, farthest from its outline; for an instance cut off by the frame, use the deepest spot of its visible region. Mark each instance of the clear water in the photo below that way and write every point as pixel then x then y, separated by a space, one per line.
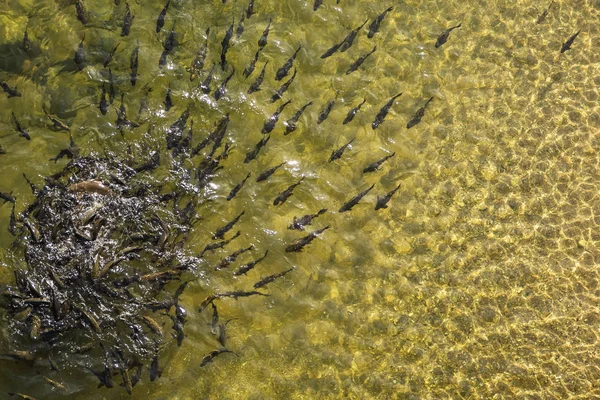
pixel 479 280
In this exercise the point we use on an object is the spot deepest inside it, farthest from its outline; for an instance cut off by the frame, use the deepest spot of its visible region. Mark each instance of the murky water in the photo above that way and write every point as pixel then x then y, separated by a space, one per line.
pixel 478 280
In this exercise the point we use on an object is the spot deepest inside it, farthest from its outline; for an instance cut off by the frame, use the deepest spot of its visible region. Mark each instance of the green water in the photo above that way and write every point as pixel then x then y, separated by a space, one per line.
pixel 479 280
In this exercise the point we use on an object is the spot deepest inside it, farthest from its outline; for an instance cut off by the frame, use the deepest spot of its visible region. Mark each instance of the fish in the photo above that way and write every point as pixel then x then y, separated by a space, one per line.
pixel 222 88
pixel 205 84
pixel 219 245
pixel 271 278
pixel 240 28
pixel 347 206
pixel 20 355
pixel 262 41
pixel 349 40
pixel 198 63
pixel 12 224
pixel 250 9
pixel 26 44
pixel 251 155
pixel 54 383
pixel 359 61
pixel 418 115
pixel 220 233
pixel 175 131
pixel 263 176
pixel 103 106
pixel 284 195
pixel 224 263
pixel 222 338
pixel 90 186
pixel 127 21
pixel 7 197
pixel 317 4
pixel 270 123
pixel 160 22
pixel 210 356
pixel 331 51
pixel 126 381
pixel 383 112
pixel 11 92
pixel 375 166
pixel 279 93
pixel 567 45
pixel 237 188
pixel 325 112
pixel 237 294
pixel 284 70
pixel 2 150
pixel 105 377
pixel 155 371
pixel 153 325
pixel 92 320
pixel 111 87
pixel 136 377
pixel 58 125
pixel 215 319
pixel 79 58
pixel 250 68
pixel 168 101
pixel 383 200
pixel 133 64
pixel 81 12
pixel 352 113
pixel 374 27
pixel 337 154
pixel 300 223
pixel 21 396
pixel 247 267
pixel 110 55
pixel 542 17
pixel 53 365
pixel 299 244
pixel 225 45
pixel 443 38
pixel 22 131
pixel 291 124
pixel 168 47
pixel 36 324
pixel 255 86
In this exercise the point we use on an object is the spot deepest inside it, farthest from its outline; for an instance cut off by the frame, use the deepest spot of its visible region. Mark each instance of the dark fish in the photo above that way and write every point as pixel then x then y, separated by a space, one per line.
pixel 218 134
pixel 247 267
pixel 168 101
pixel 332 50
pixel 270 124
pixel 220 233
pixel 155 371
pixel 224 263
pixel 352 113
pixel 255 86
pixel 175 131
pixel 136 377
pixel 418 115
pixel 354 201
pixel 215 320
pixel 300 223
pixel 250 9
pixel 383 112
pixel 222 338
pixel 219 245
pixel 7 197
pixel 374 27
pixel 103 102
pixel 237 188
pixel 221 90
pixel 284 70
pixel 105 377
pixel 266 174
pixel 53 365
pixel 240 28
pixel 210 356
pixel 251 155
pixel 111 87
pixel 58 125
pixel 144 103
pixel 225 45
pixel 443 38
pixel 359 61
pixel 317 4
pixel 81 13
pixel 567 45
pixel 160 22
pixel 198 63
pixel 325 112
pixel 250 68
pixel 271 278
pixel 168 47
pixel 127 21
pixel 11 92
pixel 337 154
pixel 22 131
pixel 349 40
pixel 26 42
pixel 110 55
pixel 21 396
pixel 291 124
pixel 133 64
pixel 299 244
pixel 79 58
pixel 262 42
pixel 283 196
pixel 383 200
pixel 542 17
pixel 279 93
pixel 375 166
pixel 205 85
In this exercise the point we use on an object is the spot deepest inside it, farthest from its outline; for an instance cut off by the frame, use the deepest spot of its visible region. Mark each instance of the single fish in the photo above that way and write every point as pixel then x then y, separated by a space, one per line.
pixel 219 245
pixel 299 244
pixel 126 381
pixel 250 9
pixel 34 330
pixel 136 377
pixel 383 112
pixel 153 325
pixel 270 123
pixel 331 51
pixel 418 115
pixel 237 188
pixel 225 45
pixel 58 125
pixel 317 4
pixel 175 131
pixel 352 113
pixel 11 92
pixel 210 356
pixel 349 40
pixel 205 84
pixel 81 12
pixel 291 124
pixel 79 58
pixel 283 196
pixel 127 21
pixel 359 61
pixel 22 131
pixel 354 201
pixel 133 64
pixel 26 42
pixel 222 88
pixel 21 396
pixel 240 28
pixel 220 233
pixel 103 102
pixel 262 41
pixel 155 371
pixel 542 17
pixel 110 55
pixel 7 197
pixel 567 45
pixel 168 101
pixel 337 154
pixel 160 22
pixel 198 63
pixel 168 47
pixel 105 377
pixel 53 365
pixel 90 186
pixel 325 112
pixel 300 223
pixel 255 86
pixel 279 93
pixel 374 27
pixel 375 166
pixel 247 267
pixel 222 338
pixel 215 319
pixel 284 70
pixel 443 38
pixel 271 278
pixel 266 174
pixel 250 68
pixel 224 263
pixel 251 155
pixel 383 200
pixel 55 384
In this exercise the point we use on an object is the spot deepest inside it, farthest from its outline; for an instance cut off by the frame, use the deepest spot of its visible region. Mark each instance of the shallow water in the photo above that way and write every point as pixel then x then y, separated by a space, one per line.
pixel 479 280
